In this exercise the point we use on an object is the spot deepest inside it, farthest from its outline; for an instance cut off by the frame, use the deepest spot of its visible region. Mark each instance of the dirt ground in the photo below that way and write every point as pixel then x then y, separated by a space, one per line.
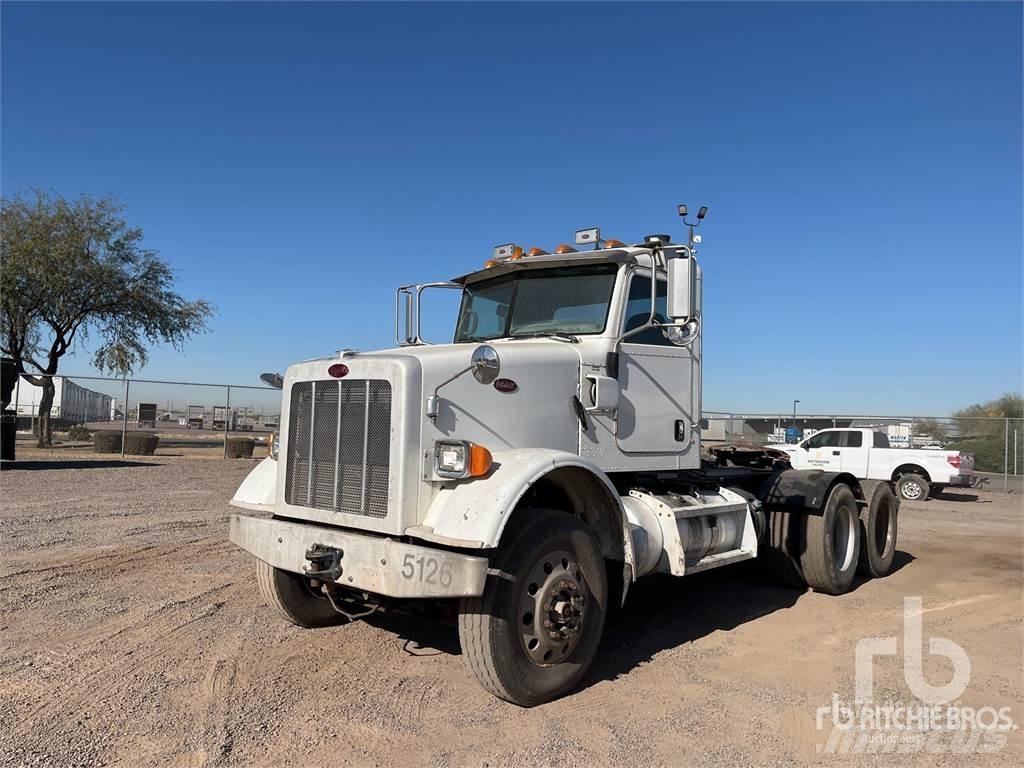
pixel 131 633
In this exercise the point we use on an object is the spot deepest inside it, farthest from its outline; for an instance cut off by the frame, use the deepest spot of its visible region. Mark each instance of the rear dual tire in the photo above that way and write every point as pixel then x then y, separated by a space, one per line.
pixel 878 529
pixel 832 544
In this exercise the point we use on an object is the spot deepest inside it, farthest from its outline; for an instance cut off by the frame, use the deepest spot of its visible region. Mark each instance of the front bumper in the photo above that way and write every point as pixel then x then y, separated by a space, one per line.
pixel 374 564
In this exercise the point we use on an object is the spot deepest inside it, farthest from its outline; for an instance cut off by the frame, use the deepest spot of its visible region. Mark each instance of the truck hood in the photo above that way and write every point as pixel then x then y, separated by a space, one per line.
pixel 530 405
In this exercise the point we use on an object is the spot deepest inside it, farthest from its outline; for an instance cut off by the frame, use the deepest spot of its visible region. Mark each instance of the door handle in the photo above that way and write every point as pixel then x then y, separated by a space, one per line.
pixel 835 453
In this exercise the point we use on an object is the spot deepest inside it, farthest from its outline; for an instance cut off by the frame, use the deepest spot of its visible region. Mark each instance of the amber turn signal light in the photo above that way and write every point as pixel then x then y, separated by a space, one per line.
pixel 479 460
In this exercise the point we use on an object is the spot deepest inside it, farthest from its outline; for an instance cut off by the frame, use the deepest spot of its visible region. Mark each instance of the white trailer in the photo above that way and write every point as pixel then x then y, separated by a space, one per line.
pixel 71 401
pixel 534 468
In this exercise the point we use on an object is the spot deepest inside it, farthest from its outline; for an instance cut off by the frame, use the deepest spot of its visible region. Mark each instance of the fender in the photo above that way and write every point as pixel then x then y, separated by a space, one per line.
pixel 259 489
pixel 803 491
pixel 474 513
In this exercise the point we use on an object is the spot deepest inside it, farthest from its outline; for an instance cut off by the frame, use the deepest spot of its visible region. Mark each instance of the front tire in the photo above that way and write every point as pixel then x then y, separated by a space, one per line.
pixel 533 633
pixel 912 488
pixel 294 599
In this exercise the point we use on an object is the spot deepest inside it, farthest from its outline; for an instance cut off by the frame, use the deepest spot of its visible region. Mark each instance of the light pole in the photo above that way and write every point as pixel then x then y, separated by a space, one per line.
pixel 794 413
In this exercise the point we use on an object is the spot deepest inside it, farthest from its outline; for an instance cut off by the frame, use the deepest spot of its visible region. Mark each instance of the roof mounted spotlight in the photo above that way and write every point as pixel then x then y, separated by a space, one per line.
pixel 659 239
pixel 590 236
pixel 701 213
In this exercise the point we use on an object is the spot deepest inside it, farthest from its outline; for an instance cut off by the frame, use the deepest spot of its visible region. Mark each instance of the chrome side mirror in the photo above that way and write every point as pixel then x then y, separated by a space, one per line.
pixel 485 364
pixel 681 284
pixel 272 380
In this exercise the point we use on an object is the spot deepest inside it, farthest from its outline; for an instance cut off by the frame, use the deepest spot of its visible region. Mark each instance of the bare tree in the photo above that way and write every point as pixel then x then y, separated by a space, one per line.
pixel 69 269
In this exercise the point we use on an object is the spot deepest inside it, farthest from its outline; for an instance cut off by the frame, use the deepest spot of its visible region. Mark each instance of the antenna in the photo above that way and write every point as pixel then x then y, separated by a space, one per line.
pixel 692 224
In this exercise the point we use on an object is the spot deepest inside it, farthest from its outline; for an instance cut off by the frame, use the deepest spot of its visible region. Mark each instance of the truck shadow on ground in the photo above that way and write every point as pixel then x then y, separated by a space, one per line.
pixel 661 613
pixel 73 464
pixel 664 612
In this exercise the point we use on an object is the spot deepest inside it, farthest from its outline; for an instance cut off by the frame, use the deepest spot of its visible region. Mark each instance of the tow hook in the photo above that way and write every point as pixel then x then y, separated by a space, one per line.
pixel 324 562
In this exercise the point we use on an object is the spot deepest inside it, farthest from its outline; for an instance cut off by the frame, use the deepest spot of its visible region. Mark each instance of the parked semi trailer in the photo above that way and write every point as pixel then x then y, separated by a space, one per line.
pixel 532 469
pixel 195 417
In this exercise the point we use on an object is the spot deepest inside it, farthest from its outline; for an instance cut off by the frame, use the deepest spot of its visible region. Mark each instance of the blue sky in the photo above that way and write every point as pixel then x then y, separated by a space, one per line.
pixel 295 163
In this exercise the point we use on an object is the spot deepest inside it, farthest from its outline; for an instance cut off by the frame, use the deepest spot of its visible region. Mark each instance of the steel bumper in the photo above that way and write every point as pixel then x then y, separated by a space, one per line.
pixel 374 564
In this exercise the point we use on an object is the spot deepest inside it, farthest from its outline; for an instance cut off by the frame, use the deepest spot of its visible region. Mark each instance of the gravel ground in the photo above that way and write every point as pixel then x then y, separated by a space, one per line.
pixel 131 633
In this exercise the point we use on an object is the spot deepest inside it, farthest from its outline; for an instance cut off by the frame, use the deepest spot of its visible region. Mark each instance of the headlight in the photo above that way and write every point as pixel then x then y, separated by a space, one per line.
pixel 275 444
pixel 455 459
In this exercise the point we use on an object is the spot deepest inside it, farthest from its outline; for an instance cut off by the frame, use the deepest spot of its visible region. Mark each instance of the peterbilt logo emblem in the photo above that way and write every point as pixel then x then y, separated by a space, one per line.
pixel 338 370
pixel 505 385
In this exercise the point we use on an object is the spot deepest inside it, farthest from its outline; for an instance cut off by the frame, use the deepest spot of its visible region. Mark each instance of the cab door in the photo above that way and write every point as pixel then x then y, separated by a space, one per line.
pixel 822 451
pixel 853 452
pixel 655 378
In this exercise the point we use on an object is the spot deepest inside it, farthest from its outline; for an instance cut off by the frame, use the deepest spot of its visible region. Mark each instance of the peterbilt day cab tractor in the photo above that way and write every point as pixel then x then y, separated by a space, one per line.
pixel 528 472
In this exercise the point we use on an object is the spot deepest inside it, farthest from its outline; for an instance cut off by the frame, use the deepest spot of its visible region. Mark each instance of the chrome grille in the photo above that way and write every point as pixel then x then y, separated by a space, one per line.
pixel 339 446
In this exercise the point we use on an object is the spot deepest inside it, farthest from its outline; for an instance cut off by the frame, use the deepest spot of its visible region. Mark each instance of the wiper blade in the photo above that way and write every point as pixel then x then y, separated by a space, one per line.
pixel 549 335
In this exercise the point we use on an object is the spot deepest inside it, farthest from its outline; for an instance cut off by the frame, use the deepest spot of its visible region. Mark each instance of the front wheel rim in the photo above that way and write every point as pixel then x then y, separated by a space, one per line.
pixel 552 608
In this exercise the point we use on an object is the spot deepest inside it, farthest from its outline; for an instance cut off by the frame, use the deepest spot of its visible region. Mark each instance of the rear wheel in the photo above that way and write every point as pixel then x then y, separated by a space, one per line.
pixel 832 544
pixel 533 633
pixel 294 598
pixel 912 488
pixel 878 528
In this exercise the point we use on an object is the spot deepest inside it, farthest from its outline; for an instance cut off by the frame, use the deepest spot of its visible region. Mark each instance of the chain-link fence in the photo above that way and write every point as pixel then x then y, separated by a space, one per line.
pixel 195 419
pixel 996 443
pixel 186 418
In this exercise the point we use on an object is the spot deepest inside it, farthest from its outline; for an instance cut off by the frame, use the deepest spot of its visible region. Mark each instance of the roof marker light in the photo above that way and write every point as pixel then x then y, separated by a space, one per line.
pixel 517 254
pixel 614 244
pixel 563 248
pixel 537 252
pixel 491 263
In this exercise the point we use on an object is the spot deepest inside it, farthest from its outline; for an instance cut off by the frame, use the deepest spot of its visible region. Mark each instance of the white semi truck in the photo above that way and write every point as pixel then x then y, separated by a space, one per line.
pixel 529 471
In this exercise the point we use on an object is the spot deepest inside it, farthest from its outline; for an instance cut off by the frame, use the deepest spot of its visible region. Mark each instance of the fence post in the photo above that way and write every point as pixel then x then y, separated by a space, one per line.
pixel 1006 454
pixel 227 419
pixel 124 417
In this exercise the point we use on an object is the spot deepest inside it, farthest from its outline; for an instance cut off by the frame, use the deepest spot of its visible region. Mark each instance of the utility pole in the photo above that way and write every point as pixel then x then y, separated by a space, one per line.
pixel 794 413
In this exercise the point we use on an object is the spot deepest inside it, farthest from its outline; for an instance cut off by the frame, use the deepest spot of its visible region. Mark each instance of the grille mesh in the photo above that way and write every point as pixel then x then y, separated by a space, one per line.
pixel 339 446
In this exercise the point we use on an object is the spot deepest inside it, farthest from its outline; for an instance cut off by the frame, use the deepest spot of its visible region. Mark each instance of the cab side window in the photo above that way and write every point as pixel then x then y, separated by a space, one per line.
pixel 638 310
pixel 824 440
pixel 851 439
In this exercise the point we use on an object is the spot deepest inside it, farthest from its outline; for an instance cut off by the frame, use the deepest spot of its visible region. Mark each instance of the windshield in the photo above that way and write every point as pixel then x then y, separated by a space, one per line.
pixel 537 302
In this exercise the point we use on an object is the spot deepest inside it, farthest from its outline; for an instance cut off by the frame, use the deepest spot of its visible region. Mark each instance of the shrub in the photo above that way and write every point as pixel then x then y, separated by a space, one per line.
pixel 240 447
pixel 79 432
pixel 106 441
pixel 140 443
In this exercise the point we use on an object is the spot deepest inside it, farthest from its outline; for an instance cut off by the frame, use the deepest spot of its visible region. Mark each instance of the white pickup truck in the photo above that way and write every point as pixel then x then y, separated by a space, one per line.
pixel 866 454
